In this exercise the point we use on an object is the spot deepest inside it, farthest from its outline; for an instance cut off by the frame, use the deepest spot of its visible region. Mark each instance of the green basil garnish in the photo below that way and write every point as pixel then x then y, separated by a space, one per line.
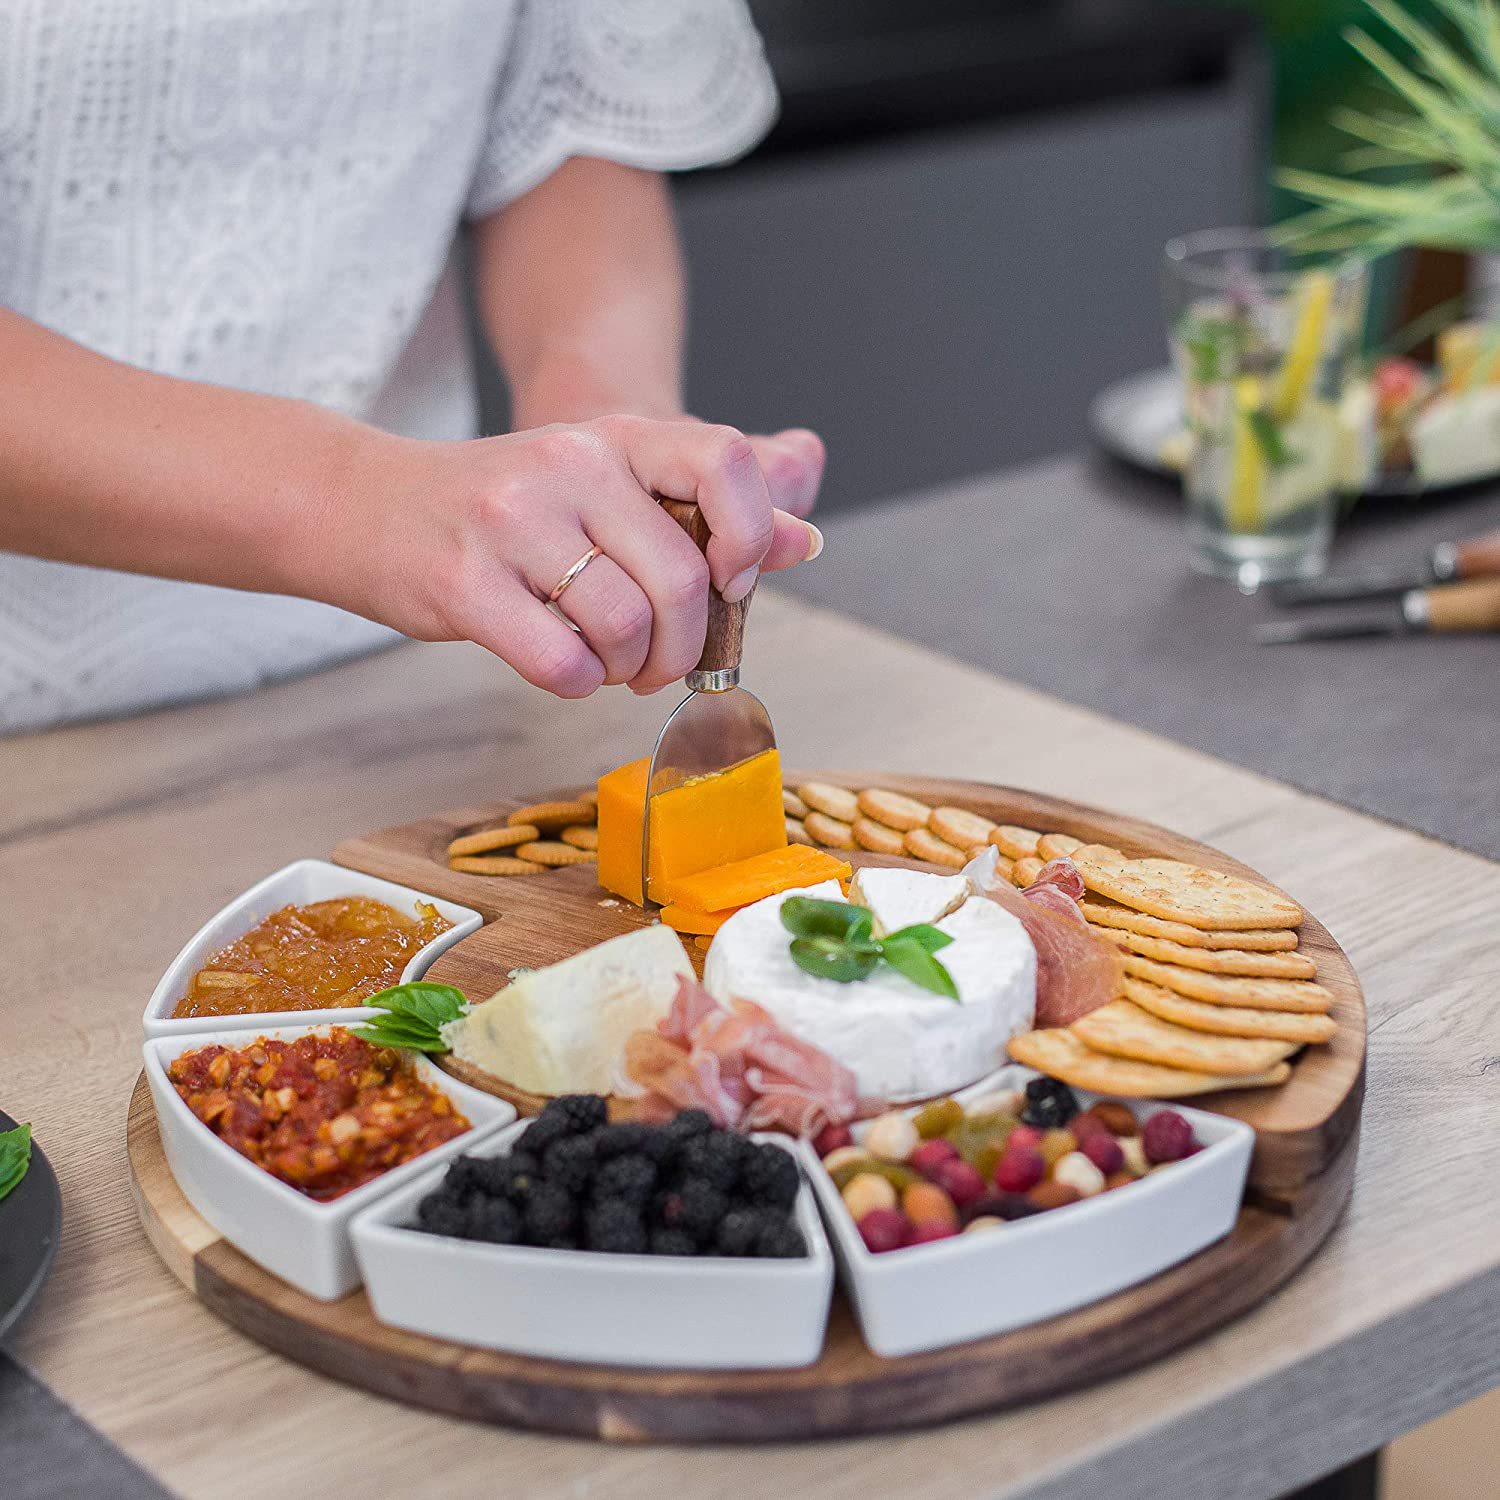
pixel 832 940
pixel 15 1157
pixel 415 1015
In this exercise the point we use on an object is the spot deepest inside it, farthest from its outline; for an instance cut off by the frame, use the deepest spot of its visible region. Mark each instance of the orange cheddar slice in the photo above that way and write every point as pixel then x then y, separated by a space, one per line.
pixel 706 822
pixel 696 923
pixel 747 880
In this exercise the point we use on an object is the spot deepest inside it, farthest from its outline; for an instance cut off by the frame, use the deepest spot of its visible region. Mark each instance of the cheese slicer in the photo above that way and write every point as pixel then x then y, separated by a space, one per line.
pixel 719 724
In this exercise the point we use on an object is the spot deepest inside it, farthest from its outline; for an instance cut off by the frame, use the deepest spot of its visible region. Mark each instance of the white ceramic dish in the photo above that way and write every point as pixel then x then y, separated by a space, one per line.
pixel 295 1238
pixel 298 884
pixel 971 1286
pixel 644 1310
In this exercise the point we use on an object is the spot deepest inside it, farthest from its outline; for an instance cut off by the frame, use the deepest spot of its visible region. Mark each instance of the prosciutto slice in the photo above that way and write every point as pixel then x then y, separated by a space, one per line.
pixel 738 1066
pixel 1076 970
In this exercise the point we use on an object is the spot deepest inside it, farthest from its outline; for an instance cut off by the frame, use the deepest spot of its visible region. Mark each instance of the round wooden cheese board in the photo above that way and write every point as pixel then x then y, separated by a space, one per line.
pixel 1300 1179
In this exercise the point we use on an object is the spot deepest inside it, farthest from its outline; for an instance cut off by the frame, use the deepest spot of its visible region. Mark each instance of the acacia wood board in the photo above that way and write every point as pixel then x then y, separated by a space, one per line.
pixel 536 920
pixel 848 1391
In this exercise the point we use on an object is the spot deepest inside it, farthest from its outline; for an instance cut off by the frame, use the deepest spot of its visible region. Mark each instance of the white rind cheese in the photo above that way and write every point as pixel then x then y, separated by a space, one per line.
pixel 898 898
pixel 561 1030
pixel 901 1041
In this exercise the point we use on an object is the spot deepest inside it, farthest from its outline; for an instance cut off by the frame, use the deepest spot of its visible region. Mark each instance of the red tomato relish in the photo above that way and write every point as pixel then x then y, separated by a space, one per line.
pixel 325 1113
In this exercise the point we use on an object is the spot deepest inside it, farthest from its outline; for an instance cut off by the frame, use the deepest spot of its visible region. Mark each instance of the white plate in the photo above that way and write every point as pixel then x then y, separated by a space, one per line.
pixel 644 1310
pixel 292 1236
pixel 298 884
pixel 973 1285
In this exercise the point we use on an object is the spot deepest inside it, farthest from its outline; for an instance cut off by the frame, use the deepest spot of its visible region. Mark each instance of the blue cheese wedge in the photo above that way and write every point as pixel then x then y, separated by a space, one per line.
pixel 562 1029
pixel 899 898
pixel 901 1041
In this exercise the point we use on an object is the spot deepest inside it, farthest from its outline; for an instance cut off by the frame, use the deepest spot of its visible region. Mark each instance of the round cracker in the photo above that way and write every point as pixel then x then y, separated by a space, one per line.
pixel 832 833
pixel 1057 846
pixel 792 805
pixel 1217 960
pixel 832 801
pixel 495 864
pixel 554 855
pixel 1106 913
pixel 487 840
pixel 869 834
pixel 580 837
pixel 1024 871
pixel 1233 989
pixel 548 816
pixel 1182 892
pixel 1124 1029
pixel 923 843
pixel 1229 1020
pixel 960 827
pixel 796 833
pixel 893 810
pixel 1061 1055
pixel 1015 842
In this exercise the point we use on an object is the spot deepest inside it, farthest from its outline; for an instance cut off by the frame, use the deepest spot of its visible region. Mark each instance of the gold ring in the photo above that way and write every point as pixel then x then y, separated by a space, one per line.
pixel 571 574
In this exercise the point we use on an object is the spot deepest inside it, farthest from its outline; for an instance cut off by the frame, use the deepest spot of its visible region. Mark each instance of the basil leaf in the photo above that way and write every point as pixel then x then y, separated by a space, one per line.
pixel 909 957
pixel 380 1036
pixel 431 1003
pixel 923 934
pixel 828 958
pixel 808 917
pixel 15 1156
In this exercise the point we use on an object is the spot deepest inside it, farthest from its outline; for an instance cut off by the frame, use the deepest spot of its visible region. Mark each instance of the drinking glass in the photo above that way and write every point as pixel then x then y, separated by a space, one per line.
pixel 1264 346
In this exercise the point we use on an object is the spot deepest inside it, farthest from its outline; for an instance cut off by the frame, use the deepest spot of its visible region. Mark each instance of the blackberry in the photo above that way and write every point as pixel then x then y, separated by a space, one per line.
pixel 779 1239
pixel 577 1112
pixel 570 1161
pixel 628 1138
pixel 689 1123
pixel 544 1131
pixel 494 1220
pixel 462 1176
pixel 615 1227
pixel 672 1242
pixel 770 1176
pixel 703 1208
pixel 715 1157
pixel 439 1213
pixel 549 1212
pixel 666 1209
pixel 1049 1104
pixel 493 1175
pixel 630 1178
pixel 737 1232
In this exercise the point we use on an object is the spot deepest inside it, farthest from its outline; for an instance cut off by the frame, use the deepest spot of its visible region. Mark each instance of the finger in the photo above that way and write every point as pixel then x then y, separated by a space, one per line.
pixel 522 631
pixel 793 463
pixel 716 468
pixel 614 615
pixel 655 551
pixel 795 541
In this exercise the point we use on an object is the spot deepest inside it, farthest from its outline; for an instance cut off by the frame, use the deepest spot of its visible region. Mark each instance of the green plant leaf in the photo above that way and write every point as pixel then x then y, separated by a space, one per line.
pixel 922 933
pixel 829 958
pixel 422 1000
pixel 909 957
pixel 15 1157
pixel 808 917
pixel 1270 439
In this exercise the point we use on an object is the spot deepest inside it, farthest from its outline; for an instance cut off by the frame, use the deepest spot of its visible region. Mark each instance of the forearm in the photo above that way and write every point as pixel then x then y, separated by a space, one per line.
pixel 580 289
pixel 105 464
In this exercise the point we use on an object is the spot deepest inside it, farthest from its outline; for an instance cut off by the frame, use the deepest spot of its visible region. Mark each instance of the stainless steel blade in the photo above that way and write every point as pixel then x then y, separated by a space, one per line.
pixel 706 732
pixel 1339 625
pixel 1345 587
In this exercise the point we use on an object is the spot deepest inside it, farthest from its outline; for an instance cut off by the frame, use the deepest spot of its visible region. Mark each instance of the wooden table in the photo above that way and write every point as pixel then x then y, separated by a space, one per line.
pixel 117 840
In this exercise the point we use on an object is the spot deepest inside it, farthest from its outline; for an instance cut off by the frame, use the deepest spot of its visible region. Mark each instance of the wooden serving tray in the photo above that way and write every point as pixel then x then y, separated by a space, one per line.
pixel 1301 1176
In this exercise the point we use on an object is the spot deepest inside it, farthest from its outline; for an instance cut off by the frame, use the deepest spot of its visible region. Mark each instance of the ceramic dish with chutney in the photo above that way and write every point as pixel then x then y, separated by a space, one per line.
pixel 310 929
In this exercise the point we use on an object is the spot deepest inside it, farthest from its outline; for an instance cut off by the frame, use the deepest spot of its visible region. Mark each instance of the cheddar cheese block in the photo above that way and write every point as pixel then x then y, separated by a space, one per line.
pixel 747 880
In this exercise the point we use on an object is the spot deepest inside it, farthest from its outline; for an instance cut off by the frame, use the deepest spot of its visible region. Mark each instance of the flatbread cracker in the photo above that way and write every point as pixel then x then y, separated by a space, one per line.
pixel 960 827
pixel 580 837
pixel 1106 913
pixel 1216 960
pixel 548 816
pixel 893 809
pixel 792 805
pixel 1024 871
pixel 494 864
pixel 1014 842
pixel 1302 995
pixel 1183 893
pixel 1060 1054
pixel 831 832
pixel 1228 1020
pixel 1057 846
pixel 1124 1029
pixel 869 834
pixel 554 854
pixel 796 833
pixel 488 840
pixel 923 843
pixel 832 801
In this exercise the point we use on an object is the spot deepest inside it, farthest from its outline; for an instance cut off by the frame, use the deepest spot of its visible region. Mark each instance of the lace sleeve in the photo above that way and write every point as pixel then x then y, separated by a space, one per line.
pixel 661 84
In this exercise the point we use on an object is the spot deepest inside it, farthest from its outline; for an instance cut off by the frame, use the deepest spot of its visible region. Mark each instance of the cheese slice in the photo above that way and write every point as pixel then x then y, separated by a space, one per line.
pixel 901 1041
pixel 899 898
pixel 561 1030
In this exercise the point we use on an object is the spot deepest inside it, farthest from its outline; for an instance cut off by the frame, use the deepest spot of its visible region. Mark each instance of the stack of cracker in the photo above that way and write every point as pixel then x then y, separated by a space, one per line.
pixel 832 817
pixel 1215 993
pixel 532 840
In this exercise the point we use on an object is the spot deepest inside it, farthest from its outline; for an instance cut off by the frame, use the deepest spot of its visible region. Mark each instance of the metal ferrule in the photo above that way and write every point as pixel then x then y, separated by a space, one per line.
pixel 1414 608
pixel 713 682
pixel 1445 561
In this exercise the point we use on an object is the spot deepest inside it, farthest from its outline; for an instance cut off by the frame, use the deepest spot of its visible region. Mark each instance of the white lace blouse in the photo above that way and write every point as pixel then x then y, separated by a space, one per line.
pixel 264 194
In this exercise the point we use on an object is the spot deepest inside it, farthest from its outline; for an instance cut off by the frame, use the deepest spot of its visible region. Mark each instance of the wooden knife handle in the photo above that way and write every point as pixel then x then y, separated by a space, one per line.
pixel 1479 557
pixel 719 666
pixel 1474 605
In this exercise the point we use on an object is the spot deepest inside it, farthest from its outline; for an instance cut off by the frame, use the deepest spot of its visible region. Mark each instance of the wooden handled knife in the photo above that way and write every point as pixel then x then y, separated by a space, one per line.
pixel 1448 562
pixel 1443 608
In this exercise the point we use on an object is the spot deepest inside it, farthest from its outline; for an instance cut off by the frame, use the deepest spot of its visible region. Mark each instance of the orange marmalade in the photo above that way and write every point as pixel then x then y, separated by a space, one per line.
pixel 329 954
pixel 325 1114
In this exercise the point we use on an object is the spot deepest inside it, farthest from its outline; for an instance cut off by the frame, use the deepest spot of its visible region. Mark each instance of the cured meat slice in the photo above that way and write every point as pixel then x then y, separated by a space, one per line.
pixel 736 1064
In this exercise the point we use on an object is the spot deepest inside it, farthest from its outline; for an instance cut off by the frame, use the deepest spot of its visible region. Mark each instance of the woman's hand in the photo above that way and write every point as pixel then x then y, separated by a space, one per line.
pixel 472 538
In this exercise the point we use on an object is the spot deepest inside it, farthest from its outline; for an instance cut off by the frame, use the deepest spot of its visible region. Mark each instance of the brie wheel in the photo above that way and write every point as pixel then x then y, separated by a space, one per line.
pixel 899 898
pixel 901 1041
